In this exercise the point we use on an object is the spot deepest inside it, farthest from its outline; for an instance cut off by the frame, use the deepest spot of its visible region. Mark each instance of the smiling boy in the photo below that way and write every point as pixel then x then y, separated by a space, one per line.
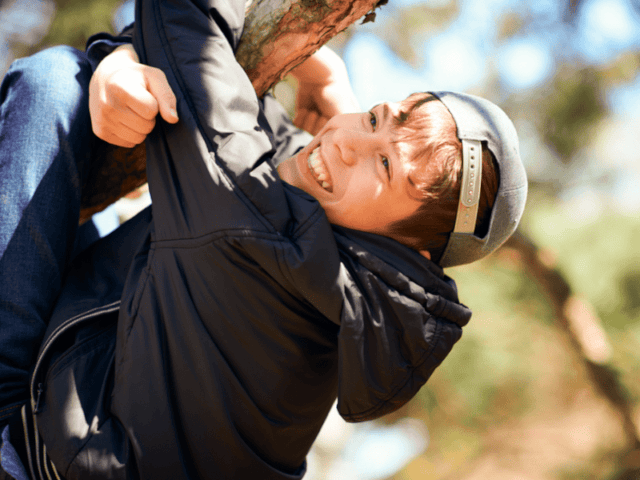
pixel 392 171
pixel 356 171
pixel 209 336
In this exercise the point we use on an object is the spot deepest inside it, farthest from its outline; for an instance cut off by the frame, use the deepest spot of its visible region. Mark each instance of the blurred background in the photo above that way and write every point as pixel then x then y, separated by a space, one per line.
pixel 545 382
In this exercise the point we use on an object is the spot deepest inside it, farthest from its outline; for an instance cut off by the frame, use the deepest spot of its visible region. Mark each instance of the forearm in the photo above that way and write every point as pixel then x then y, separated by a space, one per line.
pixel 324 90
pixel 323 67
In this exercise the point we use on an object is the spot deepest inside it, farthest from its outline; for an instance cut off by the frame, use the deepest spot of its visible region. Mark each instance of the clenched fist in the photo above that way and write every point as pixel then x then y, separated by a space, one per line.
pixel 125 97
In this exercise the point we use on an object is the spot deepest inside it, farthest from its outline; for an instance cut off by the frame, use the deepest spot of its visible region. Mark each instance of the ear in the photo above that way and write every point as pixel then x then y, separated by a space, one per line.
pixel 425 253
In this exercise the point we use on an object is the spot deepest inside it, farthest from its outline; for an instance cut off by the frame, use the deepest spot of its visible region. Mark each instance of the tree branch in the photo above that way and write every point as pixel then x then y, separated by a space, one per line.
pixel 278 35
pixel 577 319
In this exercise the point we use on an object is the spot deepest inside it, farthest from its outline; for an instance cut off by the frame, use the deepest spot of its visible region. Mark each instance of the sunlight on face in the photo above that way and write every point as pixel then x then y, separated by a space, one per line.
pixel 356 171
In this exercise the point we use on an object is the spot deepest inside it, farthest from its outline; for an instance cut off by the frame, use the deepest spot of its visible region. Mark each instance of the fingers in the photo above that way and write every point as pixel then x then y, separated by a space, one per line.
pixel 166 101
pixel 123 126
pixel 125 116
pixel 136 105
pixel 154 97
pixel 125 97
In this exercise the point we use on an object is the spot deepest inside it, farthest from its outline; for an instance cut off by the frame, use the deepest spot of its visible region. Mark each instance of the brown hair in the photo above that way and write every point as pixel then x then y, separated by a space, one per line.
pixel 427 136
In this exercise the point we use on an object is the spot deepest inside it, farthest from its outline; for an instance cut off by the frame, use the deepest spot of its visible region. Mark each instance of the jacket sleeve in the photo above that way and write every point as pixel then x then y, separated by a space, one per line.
pixel 212 170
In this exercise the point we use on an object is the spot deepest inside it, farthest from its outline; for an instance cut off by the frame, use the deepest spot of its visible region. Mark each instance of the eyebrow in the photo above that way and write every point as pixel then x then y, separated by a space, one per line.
pixel 385 112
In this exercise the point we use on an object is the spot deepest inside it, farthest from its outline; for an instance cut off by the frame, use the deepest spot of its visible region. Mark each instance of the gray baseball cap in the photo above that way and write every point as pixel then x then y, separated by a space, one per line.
pixel 478 120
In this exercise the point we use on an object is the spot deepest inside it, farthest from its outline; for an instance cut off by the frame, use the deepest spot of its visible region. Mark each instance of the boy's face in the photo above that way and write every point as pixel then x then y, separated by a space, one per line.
pixel 356 171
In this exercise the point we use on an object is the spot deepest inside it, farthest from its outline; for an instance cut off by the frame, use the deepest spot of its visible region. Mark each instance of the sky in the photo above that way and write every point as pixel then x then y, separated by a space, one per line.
pixel 458 58
pixel 465 55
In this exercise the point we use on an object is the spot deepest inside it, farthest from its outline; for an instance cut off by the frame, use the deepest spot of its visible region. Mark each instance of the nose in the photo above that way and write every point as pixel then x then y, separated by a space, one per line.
pixel 352 144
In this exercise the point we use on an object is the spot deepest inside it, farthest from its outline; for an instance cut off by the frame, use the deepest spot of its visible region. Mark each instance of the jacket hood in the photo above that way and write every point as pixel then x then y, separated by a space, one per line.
pixel 400 318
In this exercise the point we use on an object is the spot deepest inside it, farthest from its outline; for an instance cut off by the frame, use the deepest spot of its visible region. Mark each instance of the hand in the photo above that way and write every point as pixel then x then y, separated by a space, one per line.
pixel 324 90
pixel 125 97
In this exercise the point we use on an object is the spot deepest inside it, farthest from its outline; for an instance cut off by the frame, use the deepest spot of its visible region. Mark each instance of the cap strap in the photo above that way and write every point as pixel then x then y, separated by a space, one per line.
pixel 470 189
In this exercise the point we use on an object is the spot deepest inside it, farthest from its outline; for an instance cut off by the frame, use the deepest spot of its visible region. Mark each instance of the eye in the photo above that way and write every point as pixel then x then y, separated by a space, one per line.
pixel 385 164
pixel 373 120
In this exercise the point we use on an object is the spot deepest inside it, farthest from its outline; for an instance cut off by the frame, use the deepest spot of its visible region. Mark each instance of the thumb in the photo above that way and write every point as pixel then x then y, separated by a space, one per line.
pixel 158 86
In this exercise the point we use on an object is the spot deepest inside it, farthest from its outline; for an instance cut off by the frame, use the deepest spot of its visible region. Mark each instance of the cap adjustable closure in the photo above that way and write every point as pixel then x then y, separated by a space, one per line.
pixel 470 187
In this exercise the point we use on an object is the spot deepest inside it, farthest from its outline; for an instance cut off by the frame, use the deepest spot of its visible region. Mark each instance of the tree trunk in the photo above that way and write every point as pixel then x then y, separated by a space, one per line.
pixel 278 35
pixel 586 338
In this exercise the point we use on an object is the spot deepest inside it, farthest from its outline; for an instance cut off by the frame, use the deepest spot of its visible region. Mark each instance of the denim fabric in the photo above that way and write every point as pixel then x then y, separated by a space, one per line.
pixel 9 460
pixel 45 147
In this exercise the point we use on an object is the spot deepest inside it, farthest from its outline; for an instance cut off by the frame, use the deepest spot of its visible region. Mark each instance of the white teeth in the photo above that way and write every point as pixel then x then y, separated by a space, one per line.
pixel 313 160
pixel 318 169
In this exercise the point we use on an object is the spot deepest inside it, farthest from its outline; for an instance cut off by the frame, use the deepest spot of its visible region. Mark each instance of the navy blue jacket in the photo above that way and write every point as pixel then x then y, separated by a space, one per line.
pixel 209 336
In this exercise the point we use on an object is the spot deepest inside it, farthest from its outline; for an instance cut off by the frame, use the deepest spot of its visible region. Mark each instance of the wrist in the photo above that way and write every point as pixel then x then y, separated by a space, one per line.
pixel 125 52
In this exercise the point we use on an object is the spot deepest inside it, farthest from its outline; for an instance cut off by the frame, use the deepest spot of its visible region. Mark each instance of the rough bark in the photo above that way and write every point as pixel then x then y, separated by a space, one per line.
pixel 278 35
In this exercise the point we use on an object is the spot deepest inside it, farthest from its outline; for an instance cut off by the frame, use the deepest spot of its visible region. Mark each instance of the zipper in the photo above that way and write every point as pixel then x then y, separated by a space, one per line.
pixel 37 405
pixel 36 393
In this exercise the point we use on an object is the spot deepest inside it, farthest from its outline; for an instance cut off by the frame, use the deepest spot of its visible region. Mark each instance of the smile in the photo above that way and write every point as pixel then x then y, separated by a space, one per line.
pixel 319 170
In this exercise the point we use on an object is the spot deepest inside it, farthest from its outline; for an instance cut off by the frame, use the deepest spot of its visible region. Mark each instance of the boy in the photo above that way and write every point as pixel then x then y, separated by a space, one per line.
pixel 209 336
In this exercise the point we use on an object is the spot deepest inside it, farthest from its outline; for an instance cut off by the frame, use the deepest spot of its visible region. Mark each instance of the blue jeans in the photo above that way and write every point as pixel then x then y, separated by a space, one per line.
pixel 45 157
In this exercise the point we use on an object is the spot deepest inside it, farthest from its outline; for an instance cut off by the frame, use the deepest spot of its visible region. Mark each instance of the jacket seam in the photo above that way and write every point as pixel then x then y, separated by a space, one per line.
pixel 9 411
pixel 308 223
pixel 137 298
pixel 281 261
pixel 212 237
pixel 205 240
pixel 286 274
pixel 241 232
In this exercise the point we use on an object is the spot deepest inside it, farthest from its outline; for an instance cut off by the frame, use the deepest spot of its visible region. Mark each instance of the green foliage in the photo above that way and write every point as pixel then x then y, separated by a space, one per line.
pixel 513 364
pixel 488 377
pixel 599 254
pixel 622 70
pixel 572 109
pixel 76 20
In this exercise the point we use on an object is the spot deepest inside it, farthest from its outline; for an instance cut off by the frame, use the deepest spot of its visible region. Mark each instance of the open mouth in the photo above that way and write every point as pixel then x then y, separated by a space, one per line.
pixel 319 170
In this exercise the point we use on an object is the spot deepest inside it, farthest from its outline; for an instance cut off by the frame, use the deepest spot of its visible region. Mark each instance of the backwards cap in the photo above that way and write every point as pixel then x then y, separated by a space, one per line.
pixel 478 120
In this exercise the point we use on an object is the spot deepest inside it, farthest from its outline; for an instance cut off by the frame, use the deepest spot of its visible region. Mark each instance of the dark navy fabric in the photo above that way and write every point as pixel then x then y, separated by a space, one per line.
pixel 209 336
